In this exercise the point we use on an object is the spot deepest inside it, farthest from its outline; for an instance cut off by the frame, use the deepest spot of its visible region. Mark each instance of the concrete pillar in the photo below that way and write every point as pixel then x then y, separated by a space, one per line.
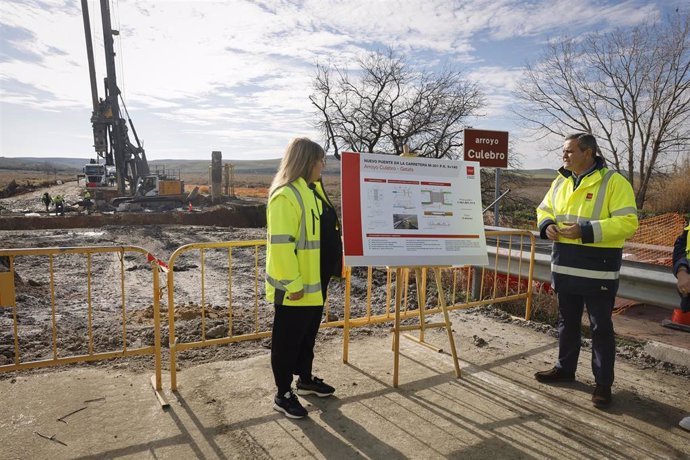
pixel 216 175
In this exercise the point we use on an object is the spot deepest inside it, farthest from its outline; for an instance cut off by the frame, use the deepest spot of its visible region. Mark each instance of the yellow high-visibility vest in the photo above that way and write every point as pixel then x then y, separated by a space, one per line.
pixel 293 244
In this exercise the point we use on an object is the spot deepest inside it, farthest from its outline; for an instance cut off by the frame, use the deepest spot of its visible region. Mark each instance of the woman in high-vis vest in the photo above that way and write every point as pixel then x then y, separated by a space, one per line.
pixel 303 251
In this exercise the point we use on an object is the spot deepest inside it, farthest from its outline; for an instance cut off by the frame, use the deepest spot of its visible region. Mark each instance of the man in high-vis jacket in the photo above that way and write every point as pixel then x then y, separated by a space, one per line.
pixel 588 213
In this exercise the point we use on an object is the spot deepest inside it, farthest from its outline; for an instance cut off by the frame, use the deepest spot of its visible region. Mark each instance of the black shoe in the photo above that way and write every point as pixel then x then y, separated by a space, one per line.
pixel 289 405
pixel 554 375
pixel 315 387
pixel 601 396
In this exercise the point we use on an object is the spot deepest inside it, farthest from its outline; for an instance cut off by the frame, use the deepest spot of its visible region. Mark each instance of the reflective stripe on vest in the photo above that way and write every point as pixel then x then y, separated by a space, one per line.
pixel 302 242
pixel 281 239
pixel 556 187
pixel 601 194
pixel 584 273
pixel 280 285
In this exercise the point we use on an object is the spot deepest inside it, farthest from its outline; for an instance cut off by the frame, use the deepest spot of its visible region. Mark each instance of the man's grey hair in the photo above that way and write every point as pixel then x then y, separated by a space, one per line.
pixel 585 141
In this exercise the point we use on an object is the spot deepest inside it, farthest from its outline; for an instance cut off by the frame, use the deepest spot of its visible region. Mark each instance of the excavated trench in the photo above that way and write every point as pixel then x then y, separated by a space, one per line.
pixel 241 215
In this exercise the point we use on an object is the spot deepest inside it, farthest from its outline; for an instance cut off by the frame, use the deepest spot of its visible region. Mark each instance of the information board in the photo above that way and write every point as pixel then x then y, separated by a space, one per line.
pixel 411 211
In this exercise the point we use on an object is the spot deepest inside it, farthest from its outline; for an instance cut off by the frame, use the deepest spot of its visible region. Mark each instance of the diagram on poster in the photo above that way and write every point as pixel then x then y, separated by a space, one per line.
pixel 405 211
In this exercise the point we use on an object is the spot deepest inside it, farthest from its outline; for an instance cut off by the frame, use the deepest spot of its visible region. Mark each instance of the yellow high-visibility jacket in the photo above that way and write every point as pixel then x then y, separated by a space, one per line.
pixel 294 244
pixel 603 204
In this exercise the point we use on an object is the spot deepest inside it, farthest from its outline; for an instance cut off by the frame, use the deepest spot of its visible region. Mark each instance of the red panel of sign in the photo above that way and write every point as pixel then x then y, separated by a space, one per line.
pixel 489 148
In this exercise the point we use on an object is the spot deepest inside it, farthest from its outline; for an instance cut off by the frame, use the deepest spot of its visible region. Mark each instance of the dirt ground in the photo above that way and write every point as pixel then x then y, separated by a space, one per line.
pixel 223 407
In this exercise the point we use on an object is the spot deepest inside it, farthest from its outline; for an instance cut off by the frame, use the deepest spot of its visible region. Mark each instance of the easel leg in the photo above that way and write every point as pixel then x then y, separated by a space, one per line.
pixel 420 282
pixel 446 318
pixel 396 329
pixel 346 320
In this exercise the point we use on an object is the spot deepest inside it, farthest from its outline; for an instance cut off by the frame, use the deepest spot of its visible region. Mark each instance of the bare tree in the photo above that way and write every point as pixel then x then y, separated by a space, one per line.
pixel 389 105
pixel 629 87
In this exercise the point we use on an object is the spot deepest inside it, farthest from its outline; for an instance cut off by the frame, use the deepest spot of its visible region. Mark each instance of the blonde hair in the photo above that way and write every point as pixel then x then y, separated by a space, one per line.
pixel 300 156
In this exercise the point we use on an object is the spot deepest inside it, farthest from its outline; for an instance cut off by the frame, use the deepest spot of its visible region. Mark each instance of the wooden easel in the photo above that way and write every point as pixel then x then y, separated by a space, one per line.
pixel 422 326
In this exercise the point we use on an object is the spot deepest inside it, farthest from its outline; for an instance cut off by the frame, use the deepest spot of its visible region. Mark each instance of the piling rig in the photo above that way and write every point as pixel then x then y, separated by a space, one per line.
pixel 110 129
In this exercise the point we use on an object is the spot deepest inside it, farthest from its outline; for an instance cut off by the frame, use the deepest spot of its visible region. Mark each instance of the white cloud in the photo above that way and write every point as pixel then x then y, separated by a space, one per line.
pixel 225 71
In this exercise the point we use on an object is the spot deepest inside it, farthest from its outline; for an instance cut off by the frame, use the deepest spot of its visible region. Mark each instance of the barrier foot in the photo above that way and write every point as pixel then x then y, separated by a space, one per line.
pixel 422 342
pixel 162 400
pixel 673 325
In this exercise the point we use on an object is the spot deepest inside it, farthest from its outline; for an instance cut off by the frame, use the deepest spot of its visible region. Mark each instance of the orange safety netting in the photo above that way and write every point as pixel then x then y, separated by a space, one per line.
pixel 653 241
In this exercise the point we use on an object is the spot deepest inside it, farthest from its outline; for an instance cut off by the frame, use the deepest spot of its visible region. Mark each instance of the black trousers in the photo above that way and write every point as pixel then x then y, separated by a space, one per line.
pixel 293 339
pixel 292 344
pixel 600 309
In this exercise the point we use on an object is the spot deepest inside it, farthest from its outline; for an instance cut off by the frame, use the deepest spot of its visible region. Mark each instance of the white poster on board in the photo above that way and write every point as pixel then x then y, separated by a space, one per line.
pixel 411 211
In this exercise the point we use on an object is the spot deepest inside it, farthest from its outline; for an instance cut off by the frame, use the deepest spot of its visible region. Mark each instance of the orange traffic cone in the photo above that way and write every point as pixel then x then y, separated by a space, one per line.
pixel 680 317
pixel 679 320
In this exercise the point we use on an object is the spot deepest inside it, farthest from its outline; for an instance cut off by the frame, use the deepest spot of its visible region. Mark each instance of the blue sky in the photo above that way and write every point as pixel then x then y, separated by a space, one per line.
pixel 235 75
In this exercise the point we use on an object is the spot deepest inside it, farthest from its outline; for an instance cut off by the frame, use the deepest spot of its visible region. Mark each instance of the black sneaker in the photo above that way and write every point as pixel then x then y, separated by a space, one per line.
pixel 315 387
pixel 289 405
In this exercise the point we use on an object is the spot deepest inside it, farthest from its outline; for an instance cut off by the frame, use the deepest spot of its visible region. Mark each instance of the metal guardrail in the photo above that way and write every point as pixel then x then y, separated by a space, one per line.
pixel 647 283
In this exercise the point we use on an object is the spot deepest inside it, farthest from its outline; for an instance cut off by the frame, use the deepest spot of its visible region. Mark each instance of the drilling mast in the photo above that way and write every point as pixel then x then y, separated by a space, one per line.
pixel 110 132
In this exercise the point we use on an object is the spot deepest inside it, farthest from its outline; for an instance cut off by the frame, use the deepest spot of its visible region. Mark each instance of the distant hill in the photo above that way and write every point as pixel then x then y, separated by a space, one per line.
pixel 262 167
pixel 188 166
pixel 536 173
pixel 42 164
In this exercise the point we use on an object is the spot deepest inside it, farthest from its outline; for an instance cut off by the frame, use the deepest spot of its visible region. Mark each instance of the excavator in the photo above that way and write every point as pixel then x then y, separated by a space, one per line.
pixel 134 180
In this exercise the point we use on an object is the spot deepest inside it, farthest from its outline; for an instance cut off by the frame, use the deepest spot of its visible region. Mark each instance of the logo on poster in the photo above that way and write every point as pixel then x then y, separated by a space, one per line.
pixel 470 171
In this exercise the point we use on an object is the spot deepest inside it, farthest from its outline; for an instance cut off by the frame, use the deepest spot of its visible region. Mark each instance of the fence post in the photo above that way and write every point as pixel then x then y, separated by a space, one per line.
pixel 476 283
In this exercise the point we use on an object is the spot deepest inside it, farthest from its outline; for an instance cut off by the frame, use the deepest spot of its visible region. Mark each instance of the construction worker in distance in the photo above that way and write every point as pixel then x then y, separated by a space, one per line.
pixel 46 201
pixel 681 269
pixel 588 213
pixel 87 202
pixel 59 205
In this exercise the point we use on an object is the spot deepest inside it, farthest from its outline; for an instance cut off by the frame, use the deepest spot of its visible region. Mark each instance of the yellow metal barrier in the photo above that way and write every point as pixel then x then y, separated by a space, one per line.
pixel 503 281
pixel 497 284
pixel 201 249
pixel 217 261
pixel 61 269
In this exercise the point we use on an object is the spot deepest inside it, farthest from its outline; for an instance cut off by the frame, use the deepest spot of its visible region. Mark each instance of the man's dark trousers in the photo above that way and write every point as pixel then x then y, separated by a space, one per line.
pixel 600 309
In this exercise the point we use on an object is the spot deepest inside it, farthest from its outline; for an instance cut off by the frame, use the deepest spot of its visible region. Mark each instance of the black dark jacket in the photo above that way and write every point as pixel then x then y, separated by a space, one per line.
pixel 680 259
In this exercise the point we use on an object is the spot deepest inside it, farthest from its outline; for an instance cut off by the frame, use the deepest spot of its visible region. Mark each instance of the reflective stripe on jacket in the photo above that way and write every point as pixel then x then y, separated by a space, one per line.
pixel 604 206
pixel 293 244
